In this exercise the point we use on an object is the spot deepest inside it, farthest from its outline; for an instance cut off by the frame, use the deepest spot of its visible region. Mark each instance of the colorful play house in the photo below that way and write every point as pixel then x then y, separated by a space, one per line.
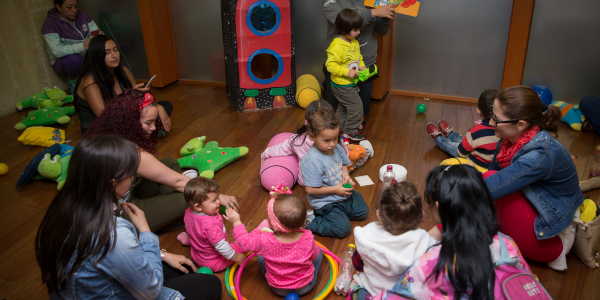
pixel 259 53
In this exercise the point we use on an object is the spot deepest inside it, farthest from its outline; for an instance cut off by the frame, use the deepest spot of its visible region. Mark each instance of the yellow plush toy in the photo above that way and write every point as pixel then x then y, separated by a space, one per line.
pixel 588 210
pixel 42 136
pixel 461 161
pixel 307 90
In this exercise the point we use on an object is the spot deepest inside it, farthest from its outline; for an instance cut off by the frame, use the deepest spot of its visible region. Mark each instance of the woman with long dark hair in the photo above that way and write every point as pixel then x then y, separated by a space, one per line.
pixel 532 177
pixel 461 265
pixel 102 79
pixel 85 251
pixel 158 191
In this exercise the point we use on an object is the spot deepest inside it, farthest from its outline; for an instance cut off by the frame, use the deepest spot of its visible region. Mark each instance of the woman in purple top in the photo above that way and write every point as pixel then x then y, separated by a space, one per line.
pixel 67 32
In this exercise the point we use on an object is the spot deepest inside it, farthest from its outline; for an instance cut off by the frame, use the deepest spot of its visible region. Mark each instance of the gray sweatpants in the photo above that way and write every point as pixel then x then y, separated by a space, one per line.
pixel 350 108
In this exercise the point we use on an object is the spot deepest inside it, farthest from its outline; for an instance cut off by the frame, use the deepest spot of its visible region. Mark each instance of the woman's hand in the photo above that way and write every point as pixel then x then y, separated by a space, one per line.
pixel 177 261
pixel 164 117
pixel 86 44
pixel 229 201
pixel 386 11
pixel 140 88
pixel 232 216
pixel 137 216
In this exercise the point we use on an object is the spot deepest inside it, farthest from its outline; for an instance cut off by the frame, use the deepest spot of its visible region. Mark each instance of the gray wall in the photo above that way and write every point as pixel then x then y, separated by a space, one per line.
pixel 453 47
pixel 564 49
pixel 199 40
pixel 120 20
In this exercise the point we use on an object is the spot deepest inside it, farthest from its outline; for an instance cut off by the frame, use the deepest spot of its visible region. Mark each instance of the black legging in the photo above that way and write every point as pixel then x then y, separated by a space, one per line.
pixel 192 285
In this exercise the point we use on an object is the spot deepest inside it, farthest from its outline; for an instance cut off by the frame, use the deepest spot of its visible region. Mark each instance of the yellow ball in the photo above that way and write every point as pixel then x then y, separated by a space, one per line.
pixel 307 90
pixel 3 169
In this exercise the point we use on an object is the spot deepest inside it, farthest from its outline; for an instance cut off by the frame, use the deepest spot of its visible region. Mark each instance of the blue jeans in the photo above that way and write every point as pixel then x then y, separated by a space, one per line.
pixel 334 219
pixel 299 291
pixel 364 93
pixel 450 143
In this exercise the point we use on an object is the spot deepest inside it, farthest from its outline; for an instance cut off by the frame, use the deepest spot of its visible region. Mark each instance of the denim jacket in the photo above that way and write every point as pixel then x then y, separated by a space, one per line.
pixel 131 270
pixel 544 171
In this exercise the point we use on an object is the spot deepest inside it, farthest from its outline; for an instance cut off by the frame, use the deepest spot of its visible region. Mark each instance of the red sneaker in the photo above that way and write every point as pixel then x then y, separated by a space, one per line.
pixel 445 128
pixel 433 130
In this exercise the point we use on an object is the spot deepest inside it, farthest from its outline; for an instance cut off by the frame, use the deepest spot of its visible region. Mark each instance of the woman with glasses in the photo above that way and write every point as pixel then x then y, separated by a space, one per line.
pixel 532 177
pixel 157 188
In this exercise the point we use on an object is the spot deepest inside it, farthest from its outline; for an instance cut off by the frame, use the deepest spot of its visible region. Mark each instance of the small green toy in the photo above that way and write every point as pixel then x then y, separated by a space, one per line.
pixel 204 270
pixel 347 185
pixel 421 108
pixel 46 116
pixel 55 168
pixel 367 75
pixel 208 159
pixel 50 97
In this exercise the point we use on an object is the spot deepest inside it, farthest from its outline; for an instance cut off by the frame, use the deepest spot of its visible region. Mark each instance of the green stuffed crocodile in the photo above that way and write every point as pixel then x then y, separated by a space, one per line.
pixel 55 168
pixel 50 97
pixel 208 159
pixel 46 116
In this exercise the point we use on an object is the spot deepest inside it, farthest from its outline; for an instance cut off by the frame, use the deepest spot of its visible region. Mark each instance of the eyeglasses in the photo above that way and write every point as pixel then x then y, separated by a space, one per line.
pixel 496 122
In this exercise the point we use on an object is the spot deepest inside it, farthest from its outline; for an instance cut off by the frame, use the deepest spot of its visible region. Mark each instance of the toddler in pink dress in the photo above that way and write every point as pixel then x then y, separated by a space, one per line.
pixel 289 257
pixel 205 228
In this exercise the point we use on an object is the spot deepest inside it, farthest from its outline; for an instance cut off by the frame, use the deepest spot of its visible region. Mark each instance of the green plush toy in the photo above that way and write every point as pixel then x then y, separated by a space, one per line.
pixel 46 116
pixel 50 97
pixel 208 159
pixel 55 168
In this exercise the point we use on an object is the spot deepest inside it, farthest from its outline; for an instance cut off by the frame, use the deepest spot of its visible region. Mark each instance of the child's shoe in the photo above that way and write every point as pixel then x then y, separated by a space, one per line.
pixel 354 137
pixel 310 216
pixel 445 128
pixel 433 130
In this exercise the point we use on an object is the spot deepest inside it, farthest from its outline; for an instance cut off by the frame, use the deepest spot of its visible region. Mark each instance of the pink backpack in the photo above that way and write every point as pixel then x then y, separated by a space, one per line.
pixel 514 281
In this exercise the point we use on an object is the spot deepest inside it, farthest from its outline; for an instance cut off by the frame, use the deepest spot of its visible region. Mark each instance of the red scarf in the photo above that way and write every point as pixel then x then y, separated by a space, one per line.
pixel 508 150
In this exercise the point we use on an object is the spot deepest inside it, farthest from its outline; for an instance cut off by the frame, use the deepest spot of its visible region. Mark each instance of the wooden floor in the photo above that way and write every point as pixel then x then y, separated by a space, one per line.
pixel 394 128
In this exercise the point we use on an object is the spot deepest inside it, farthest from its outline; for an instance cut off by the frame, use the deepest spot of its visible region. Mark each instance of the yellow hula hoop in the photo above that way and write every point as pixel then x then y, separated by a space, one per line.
pixel 332 264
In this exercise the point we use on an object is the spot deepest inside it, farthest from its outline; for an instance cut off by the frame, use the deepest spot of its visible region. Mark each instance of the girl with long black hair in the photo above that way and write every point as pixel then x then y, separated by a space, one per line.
pixel 85 251
pixel 103 78
pixel 461 265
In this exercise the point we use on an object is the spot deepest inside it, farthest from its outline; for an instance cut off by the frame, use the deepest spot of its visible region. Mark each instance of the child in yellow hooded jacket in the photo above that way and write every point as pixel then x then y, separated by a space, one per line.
pixel 343 62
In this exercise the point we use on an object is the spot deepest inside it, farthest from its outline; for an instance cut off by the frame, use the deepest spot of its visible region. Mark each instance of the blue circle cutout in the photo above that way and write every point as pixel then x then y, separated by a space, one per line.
pixel 264 81
pixel 264 6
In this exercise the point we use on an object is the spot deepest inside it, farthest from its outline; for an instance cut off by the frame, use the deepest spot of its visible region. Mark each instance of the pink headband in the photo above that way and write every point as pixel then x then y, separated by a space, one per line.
pixel 277 226
pixel 147 100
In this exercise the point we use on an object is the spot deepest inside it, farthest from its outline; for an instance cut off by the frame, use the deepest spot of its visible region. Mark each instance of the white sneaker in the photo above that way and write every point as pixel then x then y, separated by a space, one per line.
pixel 310 215
pixel 191 173
pixel 568 239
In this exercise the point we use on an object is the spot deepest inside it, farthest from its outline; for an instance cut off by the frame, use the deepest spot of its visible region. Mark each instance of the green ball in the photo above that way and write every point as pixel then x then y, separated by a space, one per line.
pixel 204 270
pixel 421 108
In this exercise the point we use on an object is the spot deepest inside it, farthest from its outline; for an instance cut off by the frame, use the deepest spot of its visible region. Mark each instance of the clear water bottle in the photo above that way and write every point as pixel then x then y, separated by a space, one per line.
pixel 389 176
pixel 342 283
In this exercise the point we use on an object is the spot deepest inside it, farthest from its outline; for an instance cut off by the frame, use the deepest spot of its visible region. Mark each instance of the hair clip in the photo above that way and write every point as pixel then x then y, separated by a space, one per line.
pixel 446 169
pixel 305 122
pixel 147 100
